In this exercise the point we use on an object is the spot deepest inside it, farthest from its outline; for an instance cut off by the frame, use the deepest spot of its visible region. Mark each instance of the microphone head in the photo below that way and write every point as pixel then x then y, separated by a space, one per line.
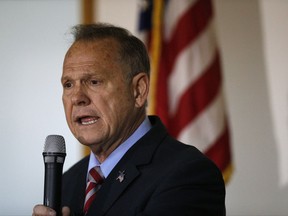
pixel 54 144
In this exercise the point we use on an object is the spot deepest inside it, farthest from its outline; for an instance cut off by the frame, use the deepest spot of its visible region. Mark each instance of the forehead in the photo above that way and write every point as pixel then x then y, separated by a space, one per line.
pixel 99 55
pixel 104 49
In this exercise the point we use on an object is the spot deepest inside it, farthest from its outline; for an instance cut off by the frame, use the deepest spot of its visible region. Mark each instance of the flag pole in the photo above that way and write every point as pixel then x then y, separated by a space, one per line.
pixel 155 53
pixel 88 11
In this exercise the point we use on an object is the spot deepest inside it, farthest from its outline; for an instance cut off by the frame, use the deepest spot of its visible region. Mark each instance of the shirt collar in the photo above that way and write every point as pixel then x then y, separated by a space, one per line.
pixel 119 152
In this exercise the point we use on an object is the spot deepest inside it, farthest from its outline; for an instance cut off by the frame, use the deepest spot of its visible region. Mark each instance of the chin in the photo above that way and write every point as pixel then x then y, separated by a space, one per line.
pixel 83 141
pixel 86 140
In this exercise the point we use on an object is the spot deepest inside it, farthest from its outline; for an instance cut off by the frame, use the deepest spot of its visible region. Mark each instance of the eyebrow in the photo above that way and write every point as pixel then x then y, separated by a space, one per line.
pixel 86 75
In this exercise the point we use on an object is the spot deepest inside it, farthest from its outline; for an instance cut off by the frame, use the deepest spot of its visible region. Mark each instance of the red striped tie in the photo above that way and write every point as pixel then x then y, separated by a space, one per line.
pixel 95 179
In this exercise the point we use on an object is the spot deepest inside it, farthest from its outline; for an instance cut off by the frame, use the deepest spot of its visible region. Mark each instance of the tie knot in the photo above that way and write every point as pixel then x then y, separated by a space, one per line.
pixel 95 175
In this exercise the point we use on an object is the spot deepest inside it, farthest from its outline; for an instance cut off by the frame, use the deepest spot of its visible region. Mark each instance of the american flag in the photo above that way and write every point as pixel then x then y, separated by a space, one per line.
pixel 186 84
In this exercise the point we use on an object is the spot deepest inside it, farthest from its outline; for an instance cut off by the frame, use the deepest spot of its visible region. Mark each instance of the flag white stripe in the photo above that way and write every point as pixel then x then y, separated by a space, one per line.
pixel 207 127
pixel 190 64
pixel 174 10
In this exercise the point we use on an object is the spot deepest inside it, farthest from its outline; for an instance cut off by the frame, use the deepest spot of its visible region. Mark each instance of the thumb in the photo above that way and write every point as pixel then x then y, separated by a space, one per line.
pixel 66 211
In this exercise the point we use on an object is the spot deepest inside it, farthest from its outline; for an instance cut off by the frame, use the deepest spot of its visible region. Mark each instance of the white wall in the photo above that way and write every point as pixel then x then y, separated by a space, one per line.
pixel 275 34
pixel 254 188
pixel 32 46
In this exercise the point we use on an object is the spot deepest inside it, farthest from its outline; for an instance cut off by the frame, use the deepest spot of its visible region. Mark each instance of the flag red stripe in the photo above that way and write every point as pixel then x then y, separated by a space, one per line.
pixel 190 25
pixel 197 97
pixel 202 93
pixel 220 151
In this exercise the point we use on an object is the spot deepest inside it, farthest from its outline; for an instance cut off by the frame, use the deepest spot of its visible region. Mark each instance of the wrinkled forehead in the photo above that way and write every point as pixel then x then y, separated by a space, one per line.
pixel 107 47
pixel 97 55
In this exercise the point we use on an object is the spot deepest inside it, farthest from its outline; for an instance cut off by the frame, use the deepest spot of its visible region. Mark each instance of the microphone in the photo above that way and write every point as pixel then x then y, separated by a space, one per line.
pixel 54 155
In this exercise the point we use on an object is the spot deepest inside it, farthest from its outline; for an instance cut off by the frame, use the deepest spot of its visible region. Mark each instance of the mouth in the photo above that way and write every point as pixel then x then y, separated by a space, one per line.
pixel 87 120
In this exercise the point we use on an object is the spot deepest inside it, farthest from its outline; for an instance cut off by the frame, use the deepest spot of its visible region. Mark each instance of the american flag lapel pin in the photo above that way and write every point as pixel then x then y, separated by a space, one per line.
pixel 121 176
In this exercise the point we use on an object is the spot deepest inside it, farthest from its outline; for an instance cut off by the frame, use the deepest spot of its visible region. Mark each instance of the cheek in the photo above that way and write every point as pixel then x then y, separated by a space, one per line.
pixel 65 106
pixel 111 107
pixel 123 105
pixel 67 109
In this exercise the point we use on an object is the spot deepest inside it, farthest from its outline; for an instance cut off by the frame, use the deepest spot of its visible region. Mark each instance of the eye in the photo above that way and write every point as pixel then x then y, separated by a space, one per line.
pixel 94 82
pixel 67 85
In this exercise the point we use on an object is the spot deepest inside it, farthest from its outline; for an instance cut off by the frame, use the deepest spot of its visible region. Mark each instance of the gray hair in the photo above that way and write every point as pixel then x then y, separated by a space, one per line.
pixel 132 50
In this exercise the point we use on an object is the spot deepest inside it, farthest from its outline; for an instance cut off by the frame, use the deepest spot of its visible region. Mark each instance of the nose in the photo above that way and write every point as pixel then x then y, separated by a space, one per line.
pixel 80 96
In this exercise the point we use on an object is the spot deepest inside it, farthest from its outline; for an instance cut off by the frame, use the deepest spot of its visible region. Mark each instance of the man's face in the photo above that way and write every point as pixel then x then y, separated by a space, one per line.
pixel 99 103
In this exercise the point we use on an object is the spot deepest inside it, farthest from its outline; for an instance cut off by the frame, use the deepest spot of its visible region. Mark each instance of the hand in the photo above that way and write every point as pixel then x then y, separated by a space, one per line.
pixel 41 210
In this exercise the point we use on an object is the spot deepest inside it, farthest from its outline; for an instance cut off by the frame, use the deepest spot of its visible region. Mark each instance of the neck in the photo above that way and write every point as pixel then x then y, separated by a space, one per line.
pixel 103 153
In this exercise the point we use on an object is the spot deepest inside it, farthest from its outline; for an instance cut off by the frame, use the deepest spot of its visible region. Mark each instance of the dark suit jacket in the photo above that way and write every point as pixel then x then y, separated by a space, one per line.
pixel 162 177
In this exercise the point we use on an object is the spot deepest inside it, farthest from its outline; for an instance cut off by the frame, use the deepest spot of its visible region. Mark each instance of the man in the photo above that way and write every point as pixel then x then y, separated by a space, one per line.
pixel 141 169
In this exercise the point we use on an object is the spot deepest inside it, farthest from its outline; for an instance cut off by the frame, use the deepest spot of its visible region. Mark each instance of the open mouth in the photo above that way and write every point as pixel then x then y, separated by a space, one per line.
pixel 87 120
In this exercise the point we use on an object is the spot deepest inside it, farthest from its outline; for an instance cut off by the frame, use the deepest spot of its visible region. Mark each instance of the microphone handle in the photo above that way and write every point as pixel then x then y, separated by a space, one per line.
pixel 52 186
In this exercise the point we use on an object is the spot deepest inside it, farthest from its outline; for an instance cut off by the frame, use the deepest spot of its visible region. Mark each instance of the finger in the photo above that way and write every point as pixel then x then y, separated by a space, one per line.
pixel 65 211
pixel 41 210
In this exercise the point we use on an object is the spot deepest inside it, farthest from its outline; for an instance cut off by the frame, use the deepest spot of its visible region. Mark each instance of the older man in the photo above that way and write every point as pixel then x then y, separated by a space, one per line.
pixel 137 168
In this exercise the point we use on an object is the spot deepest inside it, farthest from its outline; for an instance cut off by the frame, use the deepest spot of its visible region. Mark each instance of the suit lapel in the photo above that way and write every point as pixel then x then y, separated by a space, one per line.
pixel 112 189
pixel 141 153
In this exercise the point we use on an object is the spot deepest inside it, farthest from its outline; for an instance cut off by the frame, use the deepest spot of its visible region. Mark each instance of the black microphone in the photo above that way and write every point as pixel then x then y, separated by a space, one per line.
pixel 54 155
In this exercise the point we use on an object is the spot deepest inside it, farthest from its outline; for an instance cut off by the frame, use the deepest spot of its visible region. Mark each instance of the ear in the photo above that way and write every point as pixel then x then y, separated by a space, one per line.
pixel 141 89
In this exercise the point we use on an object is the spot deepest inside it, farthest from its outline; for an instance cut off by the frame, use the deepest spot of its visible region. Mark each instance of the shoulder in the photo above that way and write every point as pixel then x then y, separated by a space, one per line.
pixel 185 181
pixel 168 158
pixel 177 150
pixel 167 153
